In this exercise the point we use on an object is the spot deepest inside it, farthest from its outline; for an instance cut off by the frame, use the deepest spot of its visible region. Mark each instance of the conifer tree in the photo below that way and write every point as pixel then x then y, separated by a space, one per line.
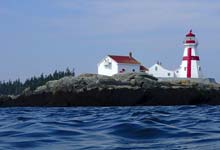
pixel 16 87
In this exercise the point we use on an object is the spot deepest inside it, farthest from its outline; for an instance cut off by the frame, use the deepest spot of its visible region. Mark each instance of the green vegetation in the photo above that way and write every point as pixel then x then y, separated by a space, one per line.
pixel 16 87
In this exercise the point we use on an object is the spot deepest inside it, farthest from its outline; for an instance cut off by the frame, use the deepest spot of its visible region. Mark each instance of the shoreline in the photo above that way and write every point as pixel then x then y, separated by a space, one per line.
pixel 132 89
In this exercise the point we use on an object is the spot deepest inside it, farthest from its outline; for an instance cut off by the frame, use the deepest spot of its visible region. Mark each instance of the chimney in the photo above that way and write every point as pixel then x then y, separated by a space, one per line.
pixel 130 54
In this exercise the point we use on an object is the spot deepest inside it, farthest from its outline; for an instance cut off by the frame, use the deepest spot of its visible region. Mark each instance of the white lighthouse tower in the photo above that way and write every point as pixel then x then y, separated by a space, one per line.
pixel 190 66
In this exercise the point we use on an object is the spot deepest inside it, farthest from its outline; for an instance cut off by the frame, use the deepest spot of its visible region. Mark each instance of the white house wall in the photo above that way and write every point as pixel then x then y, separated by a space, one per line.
pixel 108 71
pixel 158 71
pixel 129 68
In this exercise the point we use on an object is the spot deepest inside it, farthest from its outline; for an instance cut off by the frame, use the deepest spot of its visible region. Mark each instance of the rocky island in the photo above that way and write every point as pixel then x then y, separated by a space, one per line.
pixel 131 89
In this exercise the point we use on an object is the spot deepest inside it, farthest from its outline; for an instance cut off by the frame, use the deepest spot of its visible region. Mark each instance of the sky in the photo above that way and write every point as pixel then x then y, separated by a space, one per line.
pixel 41 36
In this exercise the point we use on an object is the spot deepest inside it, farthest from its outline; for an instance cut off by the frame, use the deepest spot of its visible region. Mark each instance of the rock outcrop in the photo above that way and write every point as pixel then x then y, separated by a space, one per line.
pixel 130 89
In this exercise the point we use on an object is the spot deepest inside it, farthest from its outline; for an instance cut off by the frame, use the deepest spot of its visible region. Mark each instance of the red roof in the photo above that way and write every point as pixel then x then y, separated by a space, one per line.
pixel 190 33
pixel 142 68
pixel 124 59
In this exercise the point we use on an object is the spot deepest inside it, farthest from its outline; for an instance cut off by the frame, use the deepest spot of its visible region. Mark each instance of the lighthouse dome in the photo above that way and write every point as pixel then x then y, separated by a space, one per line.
pixel 190 34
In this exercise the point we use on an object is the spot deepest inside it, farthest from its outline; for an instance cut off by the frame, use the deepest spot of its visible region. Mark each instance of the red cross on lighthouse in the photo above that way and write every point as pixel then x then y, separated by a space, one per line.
pixel 189 58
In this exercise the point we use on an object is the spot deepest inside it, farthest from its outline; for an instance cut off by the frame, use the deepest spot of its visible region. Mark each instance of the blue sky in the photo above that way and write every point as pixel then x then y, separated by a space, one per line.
pixel 39 36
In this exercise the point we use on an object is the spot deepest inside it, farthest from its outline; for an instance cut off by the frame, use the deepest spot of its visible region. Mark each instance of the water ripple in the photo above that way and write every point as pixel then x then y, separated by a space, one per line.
pixel 98 128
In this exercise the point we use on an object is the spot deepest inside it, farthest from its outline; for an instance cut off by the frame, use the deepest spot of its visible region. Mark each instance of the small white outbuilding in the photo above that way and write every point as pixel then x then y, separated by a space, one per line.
pixel 157 70
pixel 113 64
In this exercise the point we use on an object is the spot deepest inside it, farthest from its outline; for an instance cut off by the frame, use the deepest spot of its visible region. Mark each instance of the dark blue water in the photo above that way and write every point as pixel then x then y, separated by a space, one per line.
pixel 109 128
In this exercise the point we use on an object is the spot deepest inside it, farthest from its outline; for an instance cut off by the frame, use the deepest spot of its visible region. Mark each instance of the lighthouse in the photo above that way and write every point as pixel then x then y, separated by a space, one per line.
pixel 190 66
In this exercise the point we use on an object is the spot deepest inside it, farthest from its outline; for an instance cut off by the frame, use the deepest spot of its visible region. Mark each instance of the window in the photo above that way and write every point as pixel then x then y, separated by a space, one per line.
pixel 184 68
pixel 200 68
pixel 122 70
pixel 168 74
pixel 156 68
pixel 133 70
pixel 108 66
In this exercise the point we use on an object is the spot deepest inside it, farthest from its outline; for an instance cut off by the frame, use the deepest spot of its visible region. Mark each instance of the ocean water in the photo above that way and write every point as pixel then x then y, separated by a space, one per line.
pixel 110 128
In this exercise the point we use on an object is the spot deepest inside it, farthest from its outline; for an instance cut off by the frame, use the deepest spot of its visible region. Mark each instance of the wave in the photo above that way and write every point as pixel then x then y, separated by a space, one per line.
pixel 171 127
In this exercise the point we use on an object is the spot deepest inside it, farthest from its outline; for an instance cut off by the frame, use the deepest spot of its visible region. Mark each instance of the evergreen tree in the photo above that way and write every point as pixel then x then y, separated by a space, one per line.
pixel 16 87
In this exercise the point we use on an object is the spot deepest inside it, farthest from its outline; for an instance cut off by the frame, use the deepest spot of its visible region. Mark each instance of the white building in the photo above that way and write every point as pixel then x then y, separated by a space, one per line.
pixel 190 66
pixel 158 71
pixel 113 64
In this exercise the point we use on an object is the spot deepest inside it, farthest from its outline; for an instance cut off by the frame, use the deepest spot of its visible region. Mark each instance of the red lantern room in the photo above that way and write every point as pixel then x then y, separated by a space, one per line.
pixel 190 38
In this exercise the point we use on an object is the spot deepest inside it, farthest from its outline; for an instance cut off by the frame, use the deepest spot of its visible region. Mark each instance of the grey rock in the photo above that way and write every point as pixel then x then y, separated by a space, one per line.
pixel 119 90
